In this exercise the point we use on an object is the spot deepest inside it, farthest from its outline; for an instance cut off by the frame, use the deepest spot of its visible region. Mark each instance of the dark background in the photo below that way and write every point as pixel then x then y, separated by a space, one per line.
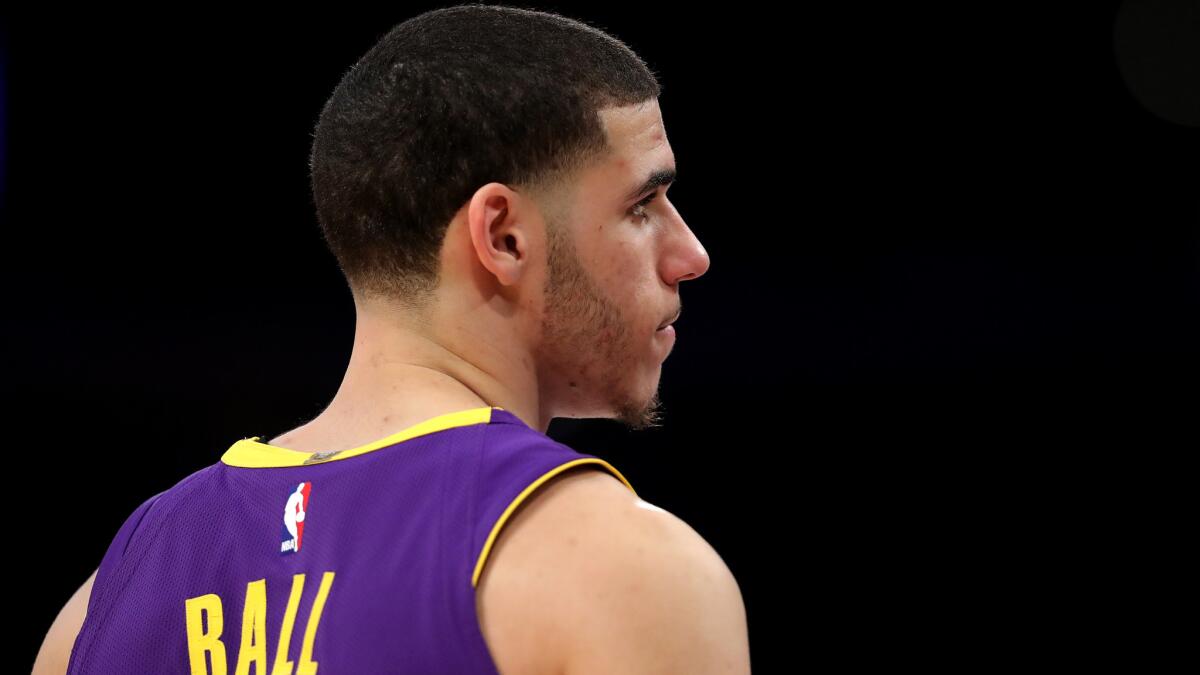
pixel 930 403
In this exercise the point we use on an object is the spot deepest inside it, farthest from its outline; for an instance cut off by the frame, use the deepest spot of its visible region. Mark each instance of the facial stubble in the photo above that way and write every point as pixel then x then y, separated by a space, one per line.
pixel 586 335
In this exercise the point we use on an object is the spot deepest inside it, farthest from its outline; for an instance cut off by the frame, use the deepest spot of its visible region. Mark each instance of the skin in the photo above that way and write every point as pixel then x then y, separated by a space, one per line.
pixel 542 321
pixel 547 307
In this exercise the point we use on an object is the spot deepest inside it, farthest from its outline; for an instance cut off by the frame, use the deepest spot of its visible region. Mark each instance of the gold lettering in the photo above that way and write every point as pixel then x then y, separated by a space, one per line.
pixel 200 641
pixel 205 623
pixel 254 630
pixel 282 665
pixel 307 665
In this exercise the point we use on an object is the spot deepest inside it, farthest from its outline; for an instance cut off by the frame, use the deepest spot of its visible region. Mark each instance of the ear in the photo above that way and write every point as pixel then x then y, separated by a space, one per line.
pixel 500 224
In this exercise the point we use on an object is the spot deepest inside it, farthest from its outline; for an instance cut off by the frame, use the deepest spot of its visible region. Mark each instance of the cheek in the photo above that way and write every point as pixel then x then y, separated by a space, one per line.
pixel 626 265
pixel 623 271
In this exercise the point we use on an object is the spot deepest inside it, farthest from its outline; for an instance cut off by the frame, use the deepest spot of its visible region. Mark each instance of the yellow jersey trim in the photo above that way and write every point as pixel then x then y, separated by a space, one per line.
pixel 487 547
pixel 251 453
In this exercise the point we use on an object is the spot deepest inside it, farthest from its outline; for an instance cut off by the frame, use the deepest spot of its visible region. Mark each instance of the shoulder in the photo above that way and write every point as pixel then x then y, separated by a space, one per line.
pixel 55 653
pixel 645 593
pixel 595 579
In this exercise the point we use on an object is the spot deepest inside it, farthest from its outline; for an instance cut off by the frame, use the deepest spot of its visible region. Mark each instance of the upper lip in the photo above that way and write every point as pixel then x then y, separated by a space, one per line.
pixel 671 320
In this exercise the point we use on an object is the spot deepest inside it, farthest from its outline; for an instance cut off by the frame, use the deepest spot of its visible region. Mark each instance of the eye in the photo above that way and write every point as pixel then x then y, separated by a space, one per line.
pixel 639 209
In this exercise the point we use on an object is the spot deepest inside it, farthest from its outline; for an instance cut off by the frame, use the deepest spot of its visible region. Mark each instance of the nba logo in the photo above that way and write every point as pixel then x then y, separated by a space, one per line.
pixel 293 518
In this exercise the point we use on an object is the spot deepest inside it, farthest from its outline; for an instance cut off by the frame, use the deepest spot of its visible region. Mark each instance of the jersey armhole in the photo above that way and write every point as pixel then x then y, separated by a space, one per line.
pixel 112 558
pixel 529 490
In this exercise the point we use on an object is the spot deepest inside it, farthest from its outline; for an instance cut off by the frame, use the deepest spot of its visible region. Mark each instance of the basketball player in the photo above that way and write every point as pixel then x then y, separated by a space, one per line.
pixel 492 182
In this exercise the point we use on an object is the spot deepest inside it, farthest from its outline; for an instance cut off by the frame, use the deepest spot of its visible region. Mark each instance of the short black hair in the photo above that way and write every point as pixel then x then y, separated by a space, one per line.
pixel 444 103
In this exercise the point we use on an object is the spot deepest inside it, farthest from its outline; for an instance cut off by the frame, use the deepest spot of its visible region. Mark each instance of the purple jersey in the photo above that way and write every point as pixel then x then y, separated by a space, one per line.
pixel 356 561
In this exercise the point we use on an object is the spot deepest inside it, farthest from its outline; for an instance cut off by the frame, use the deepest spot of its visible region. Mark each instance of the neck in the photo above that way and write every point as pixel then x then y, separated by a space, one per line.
pixel 399 376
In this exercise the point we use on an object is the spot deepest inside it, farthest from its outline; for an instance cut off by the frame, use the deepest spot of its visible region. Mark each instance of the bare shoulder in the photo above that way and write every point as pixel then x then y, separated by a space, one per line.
pixel 588 578
pixel 519 572
pixel 55 652
pixel 647 594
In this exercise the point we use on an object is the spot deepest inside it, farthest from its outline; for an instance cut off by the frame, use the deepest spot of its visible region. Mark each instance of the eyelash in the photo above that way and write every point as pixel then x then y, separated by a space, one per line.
pixel 642 205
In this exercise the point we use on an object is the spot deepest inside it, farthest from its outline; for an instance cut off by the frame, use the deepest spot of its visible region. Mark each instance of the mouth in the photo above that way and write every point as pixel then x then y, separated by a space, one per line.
pixel 666 324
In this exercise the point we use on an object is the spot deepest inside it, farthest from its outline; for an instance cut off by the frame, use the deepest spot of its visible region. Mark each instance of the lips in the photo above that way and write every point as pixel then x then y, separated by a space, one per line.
pixel 666 337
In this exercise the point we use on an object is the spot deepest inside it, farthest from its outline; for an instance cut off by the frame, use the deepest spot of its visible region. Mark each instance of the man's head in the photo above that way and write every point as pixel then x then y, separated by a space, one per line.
pixel 479 171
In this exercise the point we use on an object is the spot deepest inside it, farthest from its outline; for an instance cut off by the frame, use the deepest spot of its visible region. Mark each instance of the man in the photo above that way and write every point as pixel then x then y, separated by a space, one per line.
pixel 492 182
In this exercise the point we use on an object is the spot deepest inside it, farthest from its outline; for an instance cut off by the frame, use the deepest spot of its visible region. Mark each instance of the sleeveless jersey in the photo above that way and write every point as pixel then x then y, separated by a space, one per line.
pixel 354 561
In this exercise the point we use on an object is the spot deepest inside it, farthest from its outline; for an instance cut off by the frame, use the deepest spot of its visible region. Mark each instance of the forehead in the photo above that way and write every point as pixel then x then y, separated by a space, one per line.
pixel 634 127
pixel 639 148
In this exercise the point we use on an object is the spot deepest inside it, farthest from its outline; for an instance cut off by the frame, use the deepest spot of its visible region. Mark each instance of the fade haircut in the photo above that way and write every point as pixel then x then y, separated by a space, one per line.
pixel 443 104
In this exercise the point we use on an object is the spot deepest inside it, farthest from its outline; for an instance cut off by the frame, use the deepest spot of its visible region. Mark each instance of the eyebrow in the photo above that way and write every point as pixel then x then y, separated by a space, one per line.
pixel 657 177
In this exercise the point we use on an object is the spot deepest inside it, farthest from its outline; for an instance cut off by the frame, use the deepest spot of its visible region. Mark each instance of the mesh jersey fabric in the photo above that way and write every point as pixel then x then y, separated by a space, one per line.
pixel 360 561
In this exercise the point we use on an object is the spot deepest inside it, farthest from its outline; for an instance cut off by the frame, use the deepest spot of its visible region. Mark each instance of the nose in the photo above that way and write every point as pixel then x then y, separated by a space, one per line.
pixel 686 258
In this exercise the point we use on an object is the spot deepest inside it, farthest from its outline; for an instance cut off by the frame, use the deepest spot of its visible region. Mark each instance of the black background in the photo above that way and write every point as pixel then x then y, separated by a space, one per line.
pixel 930 403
